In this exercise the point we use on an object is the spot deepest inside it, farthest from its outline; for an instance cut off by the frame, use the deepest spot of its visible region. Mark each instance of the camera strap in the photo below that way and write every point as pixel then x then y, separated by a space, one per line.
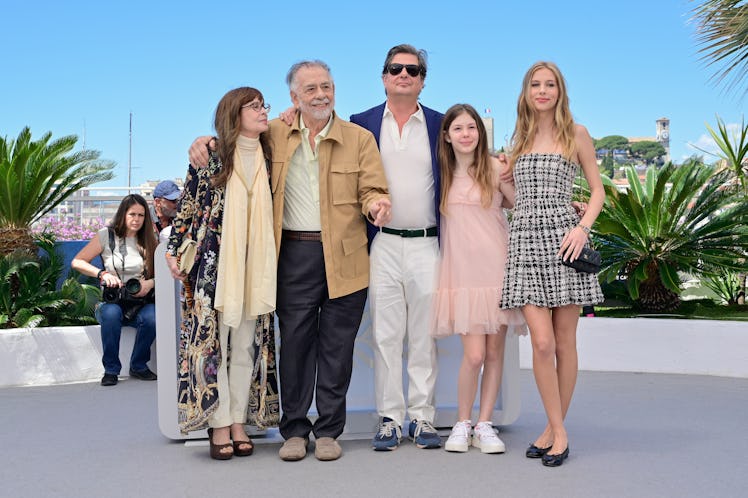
pixel 123 251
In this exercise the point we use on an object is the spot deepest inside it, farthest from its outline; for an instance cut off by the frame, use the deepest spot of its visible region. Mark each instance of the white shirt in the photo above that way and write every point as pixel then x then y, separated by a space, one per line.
pixel 164 234
pixel 407 165
pixel 126 261
pixel 301 199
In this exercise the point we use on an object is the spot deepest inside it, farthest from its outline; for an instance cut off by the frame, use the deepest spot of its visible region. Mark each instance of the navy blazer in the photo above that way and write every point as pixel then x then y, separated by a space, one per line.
pixel 372 121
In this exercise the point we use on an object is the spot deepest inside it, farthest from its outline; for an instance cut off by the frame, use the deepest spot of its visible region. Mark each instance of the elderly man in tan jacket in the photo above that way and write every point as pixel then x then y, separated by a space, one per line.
pixel 327 179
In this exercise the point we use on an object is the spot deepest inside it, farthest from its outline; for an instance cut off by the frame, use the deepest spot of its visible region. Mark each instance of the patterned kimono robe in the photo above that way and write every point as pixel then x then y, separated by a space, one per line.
pixel 199 217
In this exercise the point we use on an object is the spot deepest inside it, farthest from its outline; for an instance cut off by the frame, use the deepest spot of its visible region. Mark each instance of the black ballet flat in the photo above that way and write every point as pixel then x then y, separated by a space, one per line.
pixel 555 460
pixel 535 452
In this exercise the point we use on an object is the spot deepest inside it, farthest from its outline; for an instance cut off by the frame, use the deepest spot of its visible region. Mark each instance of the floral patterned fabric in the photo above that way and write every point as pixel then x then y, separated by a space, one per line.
pixel 199 217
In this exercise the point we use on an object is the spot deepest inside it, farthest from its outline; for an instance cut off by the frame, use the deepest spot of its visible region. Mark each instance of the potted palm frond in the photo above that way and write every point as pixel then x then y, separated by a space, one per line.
pixel 682 219
pixel 35 177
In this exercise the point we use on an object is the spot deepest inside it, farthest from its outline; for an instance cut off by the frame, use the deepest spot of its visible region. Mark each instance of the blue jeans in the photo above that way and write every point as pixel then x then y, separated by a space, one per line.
pixel 110 318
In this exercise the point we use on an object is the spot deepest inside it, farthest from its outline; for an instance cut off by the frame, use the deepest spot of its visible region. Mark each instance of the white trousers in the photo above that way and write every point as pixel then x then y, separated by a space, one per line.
pixel 234 373
pixel 401 288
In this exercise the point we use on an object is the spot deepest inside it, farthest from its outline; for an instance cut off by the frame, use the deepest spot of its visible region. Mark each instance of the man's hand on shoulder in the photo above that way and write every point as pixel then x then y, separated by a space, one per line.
pixel 288 116
pixel 199 150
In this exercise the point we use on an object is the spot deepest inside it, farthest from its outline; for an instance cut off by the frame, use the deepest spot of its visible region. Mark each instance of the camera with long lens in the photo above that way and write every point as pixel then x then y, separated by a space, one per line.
pixel 125 297
pixel 117 294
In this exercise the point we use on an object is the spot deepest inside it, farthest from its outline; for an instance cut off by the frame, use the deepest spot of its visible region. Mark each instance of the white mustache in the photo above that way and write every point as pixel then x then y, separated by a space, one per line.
pixel 320 101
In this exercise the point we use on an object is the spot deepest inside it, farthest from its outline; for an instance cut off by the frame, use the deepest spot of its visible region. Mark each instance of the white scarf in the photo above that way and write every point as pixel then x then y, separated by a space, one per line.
pixel 246 262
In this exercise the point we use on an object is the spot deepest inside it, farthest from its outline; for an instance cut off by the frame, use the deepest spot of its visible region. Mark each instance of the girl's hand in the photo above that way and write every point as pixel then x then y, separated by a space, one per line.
pixel 573 243
pixel 579 207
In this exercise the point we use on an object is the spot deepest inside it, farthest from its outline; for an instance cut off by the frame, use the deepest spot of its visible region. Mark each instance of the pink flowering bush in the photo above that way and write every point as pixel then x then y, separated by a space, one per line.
pixel 68 228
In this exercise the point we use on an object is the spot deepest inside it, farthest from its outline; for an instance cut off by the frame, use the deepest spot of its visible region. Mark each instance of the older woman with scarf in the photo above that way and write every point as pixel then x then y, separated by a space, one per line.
pixel 229 277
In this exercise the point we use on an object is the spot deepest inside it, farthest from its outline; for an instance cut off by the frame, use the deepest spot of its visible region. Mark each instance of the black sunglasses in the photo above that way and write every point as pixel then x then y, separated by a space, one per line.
pixel 412 69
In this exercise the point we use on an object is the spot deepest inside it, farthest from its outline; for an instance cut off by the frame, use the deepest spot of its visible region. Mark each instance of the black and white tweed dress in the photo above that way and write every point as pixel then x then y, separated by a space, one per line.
pixel 542 216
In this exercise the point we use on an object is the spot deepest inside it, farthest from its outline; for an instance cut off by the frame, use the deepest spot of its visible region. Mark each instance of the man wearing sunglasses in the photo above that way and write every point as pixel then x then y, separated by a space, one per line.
pixel 404 254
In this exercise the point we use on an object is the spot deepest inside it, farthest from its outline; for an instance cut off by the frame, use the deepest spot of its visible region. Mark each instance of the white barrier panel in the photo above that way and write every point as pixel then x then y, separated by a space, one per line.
pixel 659 345
pixel 361 410
pixel 59 355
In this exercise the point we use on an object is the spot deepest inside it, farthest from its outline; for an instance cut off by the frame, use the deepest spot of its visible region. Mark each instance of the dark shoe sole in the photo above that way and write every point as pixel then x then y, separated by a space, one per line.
pixel 147 375
pixel 535 452
pixel 428 446
pixel 109 381
pixel 555 460
pixel 385 448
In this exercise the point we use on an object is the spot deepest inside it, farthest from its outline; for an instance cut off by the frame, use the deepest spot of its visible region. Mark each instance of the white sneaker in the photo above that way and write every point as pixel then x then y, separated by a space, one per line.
pixel 486 438
pixel 459 438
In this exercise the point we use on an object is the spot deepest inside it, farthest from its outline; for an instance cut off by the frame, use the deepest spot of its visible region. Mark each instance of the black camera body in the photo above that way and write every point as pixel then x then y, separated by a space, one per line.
pixel 125 297
pixel 117 294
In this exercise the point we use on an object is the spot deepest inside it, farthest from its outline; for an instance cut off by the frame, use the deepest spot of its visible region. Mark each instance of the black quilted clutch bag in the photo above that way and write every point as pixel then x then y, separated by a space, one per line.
pixel 587 262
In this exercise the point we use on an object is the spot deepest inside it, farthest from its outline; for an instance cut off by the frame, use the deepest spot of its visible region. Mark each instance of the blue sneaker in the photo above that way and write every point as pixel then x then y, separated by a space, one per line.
pixel 388 436
pixel 424 435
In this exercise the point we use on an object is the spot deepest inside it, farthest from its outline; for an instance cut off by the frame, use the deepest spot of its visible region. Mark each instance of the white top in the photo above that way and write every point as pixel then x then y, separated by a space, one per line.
pixel 301 197
pixel 407 165
pixel 126 255
pixel 164 234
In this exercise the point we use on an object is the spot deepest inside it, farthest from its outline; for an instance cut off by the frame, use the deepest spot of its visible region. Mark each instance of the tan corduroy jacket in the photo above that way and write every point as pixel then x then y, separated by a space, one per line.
pixel 351 177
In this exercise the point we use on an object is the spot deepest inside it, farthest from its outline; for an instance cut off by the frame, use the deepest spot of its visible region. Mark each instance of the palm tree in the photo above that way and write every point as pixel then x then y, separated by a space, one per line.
pixel 734 155
pixel 36 176
pixel 682 219
pixel 722 32
pixel 733 151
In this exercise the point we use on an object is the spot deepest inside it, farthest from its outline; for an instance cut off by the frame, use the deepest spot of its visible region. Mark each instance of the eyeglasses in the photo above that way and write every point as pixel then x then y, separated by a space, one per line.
pixel 257 106
pixel 412 69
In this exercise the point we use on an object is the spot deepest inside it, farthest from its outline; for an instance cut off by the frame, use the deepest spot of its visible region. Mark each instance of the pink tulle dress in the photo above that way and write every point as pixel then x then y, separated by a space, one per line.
pixel 474 243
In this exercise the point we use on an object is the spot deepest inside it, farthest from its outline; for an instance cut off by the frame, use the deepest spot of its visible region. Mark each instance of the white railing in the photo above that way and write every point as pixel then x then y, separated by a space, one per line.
pixel 96 205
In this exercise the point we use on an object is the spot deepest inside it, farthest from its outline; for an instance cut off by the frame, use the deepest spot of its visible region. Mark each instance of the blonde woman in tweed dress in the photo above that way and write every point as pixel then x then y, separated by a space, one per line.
pixel 547 150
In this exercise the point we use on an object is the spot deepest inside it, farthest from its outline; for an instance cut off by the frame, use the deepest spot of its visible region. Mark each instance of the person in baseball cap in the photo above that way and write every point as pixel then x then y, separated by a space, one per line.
pixel 165 197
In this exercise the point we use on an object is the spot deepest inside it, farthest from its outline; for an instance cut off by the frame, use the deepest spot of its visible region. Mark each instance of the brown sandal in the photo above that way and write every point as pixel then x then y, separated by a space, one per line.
pixel 216 452
pixel 241 449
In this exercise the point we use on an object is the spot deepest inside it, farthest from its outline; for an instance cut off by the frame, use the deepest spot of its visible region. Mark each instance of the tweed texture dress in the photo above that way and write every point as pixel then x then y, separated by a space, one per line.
pixel 542 216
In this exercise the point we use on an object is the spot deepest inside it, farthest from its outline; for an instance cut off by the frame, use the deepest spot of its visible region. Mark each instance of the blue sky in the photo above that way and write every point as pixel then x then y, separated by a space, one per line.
pixel 85 65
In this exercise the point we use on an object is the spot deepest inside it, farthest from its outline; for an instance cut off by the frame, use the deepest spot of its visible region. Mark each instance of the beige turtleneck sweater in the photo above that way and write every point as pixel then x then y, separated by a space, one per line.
pixel 247 263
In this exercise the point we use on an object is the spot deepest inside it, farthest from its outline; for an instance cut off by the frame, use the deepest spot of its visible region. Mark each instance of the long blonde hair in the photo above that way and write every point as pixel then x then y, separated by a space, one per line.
pixel 526 126
pixel 480 170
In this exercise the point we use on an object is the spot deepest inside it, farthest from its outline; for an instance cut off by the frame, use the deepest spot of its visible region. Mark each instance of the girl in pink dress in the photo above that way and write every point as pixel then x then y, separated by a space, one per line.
pixel 474 238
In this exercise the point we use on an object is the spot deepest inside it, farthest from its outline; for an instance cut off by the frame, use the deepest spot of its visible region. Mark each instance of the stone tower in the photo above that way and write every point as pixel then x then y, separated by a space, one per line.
pixel 663 135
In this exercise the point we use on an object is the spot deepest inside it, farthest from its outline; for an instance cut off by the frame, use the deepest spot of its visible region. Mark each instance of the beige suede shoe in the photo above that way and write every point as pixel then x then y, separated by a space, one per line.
pixel 326 449
pixel 293 449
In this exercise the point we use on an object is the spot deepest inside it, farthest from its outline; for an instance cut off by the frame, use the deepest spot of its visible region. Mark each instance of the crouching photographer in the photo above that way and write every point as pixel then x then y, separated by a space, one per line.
pixel 126 248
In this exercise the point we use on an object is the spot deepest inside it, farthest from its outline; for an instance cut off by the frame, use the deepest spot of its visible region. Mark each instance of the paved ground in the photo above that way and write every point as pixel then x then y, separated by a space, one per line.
pixel 631 435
